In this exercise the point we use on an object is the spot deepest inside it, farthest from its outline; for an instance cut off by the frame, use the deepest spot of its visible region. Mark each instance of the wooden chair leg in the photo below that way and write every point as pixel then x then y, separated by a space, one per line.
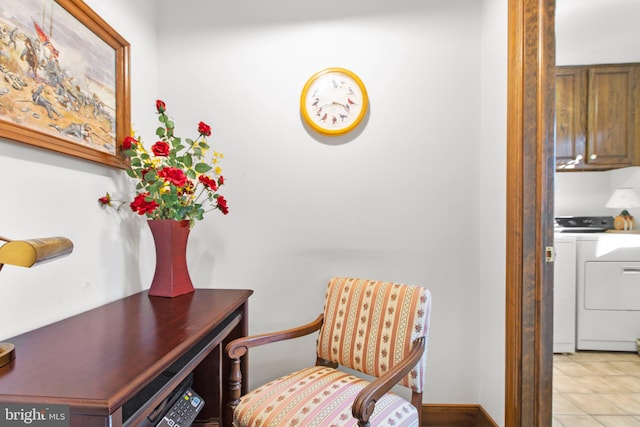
pixel 235 391
pixel 416 400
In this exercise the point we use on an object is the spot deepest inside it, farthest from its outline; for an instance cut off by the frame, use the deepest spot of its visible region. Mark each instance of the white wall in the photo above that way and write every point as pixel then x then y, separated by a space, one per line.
pixel 397 200
pixel 595 32
pixel 415 195
pixel 48 194
pixel 491 217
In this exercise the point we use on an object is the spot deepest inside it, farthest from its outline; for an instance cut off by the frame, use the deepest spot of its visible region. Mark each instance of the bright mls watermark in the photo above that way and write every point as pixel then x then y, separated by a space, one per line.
pixel 15 414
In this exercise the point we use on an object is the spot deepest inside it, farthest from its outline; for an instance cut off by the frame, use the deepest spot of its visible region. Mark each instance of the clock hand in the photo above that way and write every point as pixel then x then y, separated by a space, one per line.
pixel 345 106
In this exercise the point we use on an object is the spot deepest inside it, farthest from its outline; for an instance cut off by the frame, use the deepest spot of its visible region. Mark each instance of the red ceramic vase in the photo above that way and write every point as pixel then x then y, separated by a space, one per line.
pixel 172 275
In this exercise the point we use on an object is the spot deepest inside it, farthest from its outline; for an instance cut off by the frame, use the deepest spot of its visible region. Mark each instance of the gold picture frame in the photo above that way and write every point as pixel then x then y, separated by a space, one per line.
pixel 334 101
pixel 64 79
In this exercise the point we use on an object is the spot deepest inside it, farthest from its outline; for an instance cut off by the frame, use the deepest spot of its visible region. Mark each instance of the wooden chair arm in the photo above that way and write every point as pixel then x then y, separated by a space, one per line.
pixel 238 347
pixel 366 400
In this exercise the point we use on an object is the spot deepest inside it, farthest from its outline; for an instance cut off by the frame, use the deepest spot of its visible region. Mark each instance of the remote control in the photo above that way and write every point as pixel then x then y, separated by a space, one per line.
pixel 184 411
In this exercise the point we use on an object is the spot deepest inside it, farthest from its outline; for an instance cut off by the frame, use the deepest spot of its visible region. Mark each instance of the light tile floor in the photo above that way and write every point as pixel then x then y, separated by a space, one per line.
pixel 596 389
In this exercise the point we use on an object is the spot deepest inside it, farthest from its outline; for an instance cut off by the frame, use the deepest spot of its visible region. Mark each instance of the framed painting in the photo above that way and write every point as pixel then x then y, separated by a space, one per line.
pixel 64 79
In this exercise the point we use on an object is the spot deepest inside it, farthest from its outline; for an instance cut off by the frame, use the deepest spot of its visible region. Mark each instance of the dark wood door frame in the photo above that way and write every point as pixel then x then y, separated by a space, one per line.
pixel 530 174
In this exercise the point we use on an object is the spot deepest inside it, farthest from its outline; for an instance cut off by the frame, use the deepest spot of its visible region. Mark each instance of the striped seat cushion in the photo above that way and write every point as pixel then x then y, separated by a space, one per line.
pixel 317 396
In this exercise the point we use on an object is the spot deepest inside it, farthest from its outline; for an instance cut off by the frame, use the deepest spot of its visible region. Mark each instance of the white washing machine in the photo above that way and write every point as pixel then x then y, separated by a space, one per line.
pixel 608 291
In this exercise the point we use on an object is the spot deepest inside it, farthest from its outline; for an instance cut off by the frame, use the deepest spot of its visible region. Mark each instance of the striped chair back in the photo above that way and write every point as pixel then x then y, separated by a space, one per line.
pixel 370 325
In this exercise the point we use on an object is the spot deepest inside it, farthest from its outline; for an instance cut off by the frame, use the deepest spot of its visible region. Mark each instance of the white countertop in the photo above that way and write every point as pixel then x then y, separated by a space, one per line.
pixel 628 236
pixel 608 245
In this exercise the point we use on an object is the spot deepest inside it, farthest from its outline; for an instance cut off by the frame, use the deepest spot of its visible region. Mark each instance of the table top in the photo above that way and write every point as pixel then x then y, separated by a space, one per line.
pixel 96 360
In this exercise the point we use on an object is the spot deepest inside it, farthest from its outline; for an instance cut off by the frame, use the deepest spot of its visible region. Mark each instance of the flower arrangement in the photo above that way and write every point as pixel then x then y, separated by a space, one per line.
pixel 174 181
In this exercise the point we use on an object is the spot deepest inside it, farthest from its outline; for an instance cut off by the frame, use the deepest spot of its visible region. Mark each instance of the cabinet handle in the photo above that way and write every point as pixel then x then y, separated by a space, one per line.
pixel 593 156
pixel 630 270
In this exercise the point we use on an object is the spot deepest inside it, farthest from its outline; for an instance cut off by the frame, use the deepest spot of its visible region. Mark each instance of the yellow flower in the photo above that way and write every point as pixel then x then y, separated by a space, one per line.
pixel 216 157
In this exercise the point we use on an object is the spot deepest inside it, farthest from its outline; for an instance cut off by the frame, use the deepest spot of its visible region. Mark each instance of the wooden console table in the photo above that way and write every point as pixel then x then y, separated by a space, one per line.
pixel 114 364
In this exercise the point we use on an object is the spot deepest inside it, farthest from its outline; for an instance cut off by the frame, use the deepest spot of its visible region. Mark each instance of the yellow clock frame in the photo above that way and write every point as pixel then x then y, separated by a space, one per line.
pixel 334 101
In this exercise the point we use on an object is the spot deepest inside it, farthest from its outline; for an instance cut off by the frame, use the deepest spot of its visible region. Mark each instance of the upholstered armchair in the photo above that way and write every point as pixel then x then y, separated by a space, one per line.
pixel 376 328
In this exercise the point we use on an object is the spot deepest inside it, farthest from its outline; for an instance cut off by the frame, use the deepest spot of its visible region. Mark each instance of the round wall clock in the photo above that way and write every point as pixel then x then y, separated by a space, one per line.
pixel 334 101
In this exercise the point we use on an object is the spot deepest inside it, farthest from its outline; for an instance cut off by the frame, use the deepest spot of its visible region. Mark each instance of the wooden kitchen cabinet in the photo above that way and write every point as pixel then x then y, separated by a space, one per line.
pixel 571 116
pixel 597 124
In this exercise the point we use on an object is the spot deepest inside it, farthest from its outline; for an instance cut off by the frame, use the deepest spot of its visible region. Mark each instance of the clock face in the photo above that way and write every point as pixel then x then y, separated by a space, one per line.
pixel 334 101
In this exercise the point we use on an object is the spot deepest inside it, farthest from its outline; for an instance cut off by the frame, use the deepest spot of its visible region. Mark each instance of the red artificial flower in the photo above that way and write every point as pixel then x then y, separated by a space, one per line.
pixel 204 129
pixel 222 205
pixel 208 182
pixel 141 205
pixel 128 142
pixel 161 148
pixel 166 173
pixel 175 176
pixel 105 200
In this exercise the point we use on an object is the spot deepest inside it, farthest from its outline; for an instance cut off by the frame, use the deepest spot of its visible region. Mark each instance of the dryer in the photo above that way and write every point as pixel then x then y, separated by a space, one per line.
pixel 608 291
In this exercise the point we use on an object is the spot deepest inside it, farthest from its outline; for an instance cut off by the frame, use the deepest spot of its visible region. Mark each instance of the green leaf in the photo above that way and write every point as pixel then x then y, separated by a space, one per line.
pixel 190 173
pixel 150 175
pixel 131 173
pixel 155 186
pixel 187 160
pixel 160 131
pixel 169 124
pixel 202 168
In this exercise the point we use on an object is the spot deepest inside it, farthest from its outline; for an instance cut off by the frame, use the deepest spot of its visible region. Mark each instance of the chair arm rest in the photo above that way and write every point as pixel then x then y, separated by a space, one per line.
pixel 238 347
pixel 365 402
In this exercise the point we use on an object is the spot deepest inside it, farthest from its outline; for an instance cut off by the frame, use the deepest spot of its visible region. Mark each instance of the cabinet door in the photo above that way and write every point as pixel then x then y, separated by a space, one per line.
pixel 610 132
pixel 571 117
